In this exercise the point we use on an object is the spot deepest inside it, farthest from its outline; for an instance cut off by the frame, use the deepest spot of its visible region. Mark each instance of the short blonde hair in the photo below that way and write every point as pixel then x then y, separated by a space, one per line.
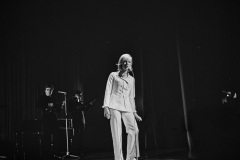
pixel 123 57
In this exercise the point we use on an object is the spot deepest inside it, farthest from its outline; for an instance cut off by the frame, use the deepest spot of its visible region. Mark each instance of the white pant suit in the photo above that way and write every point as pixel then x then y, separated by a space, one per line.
pixel 119 97
pixel 132 131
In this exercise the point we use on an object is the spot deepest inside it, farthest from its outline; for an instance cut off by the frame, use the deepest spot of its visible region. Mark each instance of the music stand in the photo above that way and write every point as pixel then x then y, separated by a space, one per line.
pixel 67 156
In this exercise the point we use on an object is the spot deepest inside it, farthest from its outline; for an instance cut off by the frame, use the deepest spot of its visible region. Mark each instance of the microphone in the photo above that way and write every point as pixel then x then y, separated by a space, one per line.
pixel 130 69
pixel 62 92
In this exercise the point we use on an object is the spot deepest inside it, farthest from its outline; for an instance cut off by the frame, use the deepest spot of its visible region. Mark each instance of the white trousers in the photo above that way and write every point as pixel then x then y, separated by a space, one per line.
pixel 132 131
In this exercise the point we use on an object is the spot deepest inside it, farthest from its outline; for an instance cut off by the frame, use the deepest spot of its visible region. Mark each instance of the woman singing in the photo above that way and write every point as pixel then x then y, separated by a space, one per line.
pixel 119 104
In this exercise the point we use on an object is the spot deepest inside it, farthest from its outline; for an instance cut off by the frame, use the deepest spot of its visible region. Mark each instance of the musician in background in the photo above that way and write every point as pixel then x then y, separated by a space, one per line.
pixel 231 96
pixel 47 103
pixel 77 108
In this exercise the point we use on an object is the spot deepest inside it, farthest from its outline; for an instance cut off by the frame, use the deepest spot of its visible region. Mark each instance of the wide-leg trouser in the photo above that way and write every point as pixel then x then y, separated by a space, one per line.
pixel 132 131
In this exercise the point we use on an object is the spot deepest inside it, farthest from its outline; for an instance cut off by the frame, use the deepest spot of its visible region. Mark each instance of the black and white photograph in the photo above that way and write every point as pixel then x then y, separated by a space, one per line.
pixel 120 80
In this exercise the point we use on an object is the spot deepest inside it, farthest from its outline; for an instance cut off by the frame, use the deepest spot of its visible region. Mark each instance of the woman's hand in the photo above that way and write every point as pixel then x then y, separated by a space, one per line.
pixel 138 118
pixel 107 113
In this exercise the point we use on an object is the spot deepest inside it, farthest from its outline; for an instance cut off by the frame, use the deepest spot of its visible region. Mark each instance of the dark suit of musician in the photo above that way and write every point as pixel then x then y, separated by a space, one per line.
pixel 49 117
pixel 76 107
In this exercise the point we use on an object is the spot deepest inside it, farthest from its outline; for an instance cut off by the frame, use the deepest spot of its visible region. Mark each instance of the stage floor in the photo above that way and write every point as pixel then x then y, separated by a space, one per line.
pixel 156 156
pixel 151 155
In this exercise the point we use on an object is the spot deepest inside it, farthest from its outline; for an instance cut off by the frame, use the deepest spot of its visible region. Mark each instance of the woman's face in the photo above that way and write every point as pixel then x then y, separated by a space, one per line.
pixel 126 64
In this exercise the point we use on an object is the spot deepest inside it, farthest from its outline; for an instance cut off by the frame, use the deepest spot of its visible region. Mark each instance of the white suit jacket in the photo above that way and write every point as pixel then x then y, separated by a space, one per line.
pixel 119 91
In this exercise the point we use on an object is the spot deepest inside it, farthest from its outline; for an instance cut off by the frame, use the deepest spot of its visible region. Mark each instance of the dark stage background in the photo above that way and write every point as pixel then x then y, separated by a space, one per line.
pixel 76 44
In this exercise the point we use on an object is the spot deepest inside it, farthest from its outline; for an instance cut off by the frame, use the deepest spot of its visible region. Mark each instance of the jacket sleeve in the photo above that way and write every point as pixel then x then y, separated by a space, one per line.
pixel 132 91
pixel 108 90
pixel 132 96
pixel 41 103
